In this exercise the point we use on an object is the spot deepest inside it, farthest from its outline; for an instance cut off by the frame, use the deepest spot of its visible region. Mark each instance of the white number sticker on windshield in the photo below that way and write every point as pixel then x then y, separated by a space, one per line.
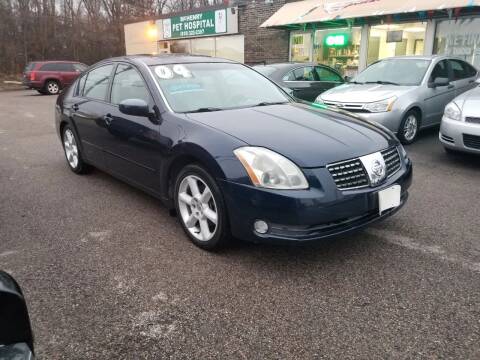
pixel 164 72
pixel 182 71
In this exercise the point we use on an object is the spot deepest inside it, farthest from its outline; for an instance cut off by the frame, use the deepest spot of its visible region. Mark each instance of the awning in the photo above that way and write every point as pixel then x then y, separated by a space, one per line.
pixel 309 11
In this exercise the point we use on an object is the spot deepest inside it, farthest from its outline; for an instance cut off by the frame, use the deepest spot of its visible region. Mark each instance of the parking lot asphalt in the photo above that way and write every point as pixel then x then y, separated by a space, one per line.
pixel 107 273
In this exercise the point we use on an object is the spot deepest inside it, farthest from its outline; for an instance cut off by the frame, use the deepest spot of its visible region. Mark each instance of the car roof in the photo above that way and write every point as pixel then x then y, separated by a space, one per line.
pixel 56 62
pixel 289 65
pixel 419 57
pixel 169 59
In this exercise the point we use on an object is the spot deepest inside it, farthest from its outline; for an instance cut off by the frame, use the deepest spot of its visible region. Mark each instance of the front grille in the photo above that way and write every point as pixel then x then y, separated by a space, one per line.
pixel 352 107
pixel 447 139
pixel 392 160
pixel 474 120
pixel 471 141
pixel 348 174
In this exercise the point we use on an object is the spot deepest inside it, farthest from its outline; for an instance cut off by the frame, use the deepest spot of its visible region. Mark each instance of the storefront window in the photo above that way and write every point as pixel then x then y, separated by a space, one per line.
pixel 395 40
pixel 180 46
pixel 230 47
pixel 459 38
pixel 339 49
pixel 300 47
pixel 203 46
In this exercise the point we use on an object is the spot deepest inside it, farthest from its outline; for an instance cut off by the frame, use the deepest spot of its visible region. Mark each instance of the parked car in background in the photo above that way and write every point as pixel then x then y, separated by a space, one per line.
pixel 405 94
pixel 230 150
pixel 49 77
pixel 460 127
pixel 306 80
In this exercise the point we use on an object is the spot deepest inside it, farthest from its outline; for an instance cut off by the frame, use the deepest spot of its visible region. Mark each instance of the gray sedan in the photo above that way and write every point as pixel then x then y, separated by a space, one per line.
pixel 460 128
pixel 405 94
pixel 305 81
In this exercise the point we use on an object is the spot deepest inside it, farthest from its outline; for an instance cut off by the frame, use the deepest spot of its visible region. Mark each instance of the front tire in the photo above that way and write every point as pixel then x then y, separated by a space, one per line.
pixel 201 208
pixel 72 151
pixel 409 127
pixel 52 87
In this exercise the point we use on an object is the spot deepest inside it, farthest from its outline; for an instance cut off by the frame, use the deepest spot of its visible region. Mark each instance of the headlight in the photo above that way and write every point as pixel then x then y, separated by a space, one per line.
pixel 452 111
pixel 270 170
pixel 381 106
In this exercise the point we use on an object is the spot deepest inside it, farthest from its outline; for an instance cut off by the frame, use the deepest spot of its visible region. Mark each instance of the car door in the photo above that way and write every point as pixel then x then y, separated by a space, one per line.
pixel 464 76
pixel 68 73
pixel 327 79
pixel 302 82
pixel 132 148
pixel 436 98
pixel 89 110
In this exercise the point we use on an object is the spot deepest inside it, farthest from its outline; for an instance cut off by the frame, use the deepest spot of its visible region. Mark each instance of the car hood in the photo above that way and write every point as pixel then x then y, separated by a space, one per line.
pixel 469 102
pixel 308 136
pixel 364 93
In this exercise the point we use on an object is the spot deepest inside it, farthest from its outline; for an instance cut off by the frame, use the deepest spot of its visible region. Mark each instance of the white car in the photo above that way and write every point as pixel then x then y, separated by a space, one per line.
pixel 460 127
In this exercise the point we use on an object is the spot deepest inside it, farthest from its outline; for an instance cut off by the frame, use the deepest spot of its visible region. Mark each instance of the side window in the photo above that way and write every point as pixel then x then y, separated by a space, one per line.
pixel 81 85
pixel 49 67
pixel 325 74
pixel 459 69
pixel 96 83
pixel 289 77
pixel 128 84
pixel 440 71
pixel 304 74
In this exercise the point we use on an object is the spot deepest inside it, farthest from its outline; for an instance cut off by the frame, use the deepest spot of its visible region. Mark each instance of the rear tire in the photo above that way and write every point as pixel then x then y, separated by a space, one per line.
pixel 201 208
pixel 72 151
pixel 52 87
pixel 409 127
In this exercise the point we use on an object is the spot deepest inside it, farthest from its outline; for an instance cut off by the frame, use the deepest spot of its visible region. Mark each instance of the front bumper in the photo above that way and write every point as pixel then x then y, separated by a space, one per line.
pixel 452 134
pixel 391 119
pixel 320 212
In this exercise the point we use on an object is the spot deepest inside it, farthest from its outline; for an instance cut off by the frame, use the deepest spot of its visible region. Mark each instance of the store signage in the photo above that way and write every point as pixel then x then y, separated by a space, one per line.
pixel 198 24
pixel 336 40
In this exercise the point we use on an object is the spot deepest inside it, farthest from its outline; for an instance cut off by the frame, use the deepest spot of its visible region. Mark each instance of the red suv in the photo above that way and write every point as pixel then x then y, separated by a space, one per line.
pixel 49 77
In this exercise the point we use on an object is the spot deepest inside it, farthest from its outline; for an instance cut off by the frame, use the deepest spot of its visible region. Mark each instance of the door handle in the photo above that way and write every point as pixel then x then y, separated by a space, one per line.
pixel 108 119
pixel 75 107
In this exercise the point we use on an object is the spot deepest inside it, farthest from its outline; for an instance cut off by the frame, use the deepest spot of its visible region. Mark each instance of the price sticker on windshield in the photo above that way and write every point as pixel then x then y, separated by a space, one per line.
pixel 165 72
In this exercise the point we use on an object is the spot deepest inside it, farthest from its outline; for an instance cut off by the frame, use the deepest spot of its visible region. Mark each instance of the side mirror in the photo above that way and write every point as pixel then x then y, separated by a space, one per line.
pixel 16 337
pixel 135 107
pixel 440 81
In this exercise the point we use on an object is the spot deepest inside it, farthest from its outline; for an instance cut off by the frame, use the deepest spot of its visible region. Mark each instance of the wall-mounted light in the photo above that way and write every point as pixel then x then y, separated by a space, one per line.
pixel 152 32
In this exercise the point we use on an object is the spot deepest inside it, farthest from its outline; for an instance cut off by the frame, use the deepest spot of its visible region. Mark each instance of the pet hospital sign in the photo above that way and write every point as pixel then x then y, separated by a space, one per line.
pixel 197 24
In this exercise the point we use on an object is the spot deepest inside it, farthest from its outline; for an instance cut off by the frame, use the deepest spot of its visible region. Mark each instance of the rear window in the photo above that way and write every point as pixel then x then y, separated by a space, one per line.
pixel 30 66
pixel 265 70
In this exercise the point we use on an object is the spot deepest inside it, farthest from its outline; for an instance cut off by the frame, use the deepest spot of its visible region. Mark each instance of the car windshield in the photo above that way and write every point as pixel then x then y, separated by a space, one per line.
pixel 29 67
pixel 406 72
pixel 201 87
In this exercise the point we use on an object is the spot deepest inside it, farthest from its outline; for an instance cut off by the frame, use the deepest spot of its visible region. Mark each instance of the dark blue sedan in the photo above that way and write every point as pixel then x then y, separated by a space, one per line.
pixel 230 151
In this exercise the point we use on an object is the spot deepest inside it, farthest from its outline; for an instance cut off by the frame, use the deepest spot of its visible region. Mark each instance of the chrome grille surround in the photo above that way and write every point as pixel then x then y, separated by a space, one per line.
pixel 350 174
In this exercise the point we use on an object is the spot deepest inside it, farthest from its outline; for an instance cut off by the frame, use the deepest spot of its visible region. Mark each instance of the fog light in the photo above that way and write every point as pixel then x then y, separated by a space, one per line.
pixel 260 226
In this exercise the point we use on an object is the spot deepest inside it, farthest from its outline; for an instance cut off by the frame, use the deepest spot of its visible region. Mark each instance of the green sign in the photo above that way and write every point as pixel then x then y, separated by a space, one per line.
pixel 199 24
pixel 336 40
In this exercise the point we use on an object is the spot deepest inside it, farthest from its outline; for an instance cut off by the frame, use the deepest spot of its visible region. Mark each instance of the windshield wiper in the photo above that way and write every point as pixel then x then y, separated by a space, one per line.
pixel 203 109
pixel 267 103
pixel 381 82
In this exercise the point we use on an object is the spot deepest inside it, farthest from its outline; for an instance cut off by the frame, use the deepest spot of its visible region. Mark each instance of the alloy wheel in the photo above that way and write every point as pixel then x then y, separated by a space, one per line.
pixel 53 88
pixel 197 208
pixel 410 128
pixel 71 149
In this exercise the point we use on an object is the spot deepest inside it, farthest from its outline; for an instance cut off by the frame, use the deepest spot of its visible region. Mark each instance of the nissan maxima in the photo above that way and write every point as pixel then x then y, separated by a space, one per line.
pixel 229 151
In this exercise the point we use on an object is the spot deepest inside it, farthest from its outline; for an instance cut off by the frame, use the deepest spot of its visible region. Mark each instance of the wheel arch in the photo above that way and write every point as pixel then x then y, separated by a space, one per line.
pixel 182 155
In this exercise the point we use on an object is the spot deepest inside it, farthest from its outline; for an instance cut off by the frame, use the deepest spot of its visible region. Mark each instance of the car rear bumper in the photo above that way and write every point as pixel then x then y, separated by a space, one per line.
pixel 306 215
pixel 460 135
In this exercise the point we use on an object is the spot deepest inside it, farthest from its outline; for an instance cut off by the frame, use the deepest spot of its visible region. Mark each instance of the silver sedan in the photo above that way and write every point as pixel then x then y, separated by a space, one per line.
pixel 405 94
pixel 460 127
